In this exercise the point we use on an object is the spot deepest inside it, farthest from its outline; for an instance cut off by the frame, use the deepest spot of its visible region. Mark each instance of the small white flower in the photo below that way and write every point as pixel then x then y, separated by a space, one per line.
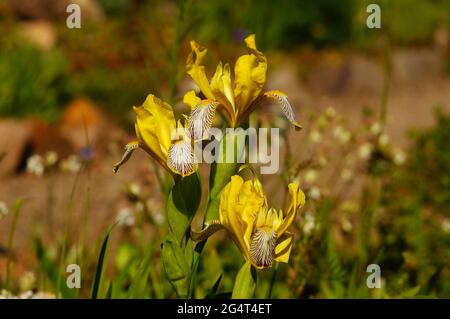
pixel 309 223
pixel 446 225
pixel 134 189
pixel 311 176
pixel 376 128
pixel 322 161
pixel 51 158
pixel 315 136
pixel 71 164
pixel 35 165
pixel 399 157
pixel 383 140
pixel 26 295
pixel 3 210
pixel 346 225
pixel 365 150
pixel 346 174
pixel 126 217
pixel 330 112
pixel 140 207
pixel 315 193
pixel 158 217
pixel 342 134
pixel 43 295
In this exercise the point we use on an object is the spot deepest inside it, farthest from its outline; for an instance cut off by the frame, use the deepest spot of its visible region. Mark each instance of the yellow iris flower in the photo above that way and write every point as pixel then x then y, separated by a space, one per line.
pixel 249 79
pixel 259 232
pixel 164 139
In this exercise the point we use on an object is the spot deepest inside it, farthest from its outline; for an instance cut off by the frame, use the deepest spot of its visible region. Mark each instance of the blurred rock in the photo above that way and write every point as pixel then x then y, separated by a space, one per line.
pixel 15 145
pixel 41 33
pixel 82 116
pixel 337 73
pixel 364 75
pixel 411 65
pixel 441 37
pixel 54 9
pixel 46 137
pixel 285 76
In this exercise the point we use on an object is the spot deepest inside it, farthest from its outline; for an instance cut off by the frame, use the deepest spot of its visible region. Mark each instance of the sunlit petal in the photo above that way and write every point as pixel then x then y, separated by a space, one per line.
pixel 284 247
pixel 298 200
pixel 197 71
pixel 250 75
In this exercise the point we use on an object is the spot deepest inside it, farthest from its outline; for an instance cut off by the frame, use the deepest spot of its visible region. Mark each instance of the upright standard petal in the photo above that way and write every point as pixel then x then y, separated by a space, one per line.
pixel 283 247
pixel 250 75
pixel 229 215
pixel 223 92
pixel 146 128
pixel 298 200
pixel 196 70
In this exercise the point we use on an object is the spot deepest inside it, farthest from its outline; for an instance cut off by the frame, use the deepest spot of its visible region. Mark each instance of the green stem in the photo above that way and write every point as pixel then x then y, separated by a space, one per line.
pixel 272 281
pixel 12 231
pixel 68 221
pixel 386 82
pixel 175 51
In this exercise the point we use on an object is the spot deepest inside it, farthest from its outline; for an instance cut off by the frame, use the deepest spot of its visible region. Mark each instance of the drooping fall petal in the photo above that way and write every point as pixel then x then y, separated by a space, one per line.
pixel 283 247
pixel 282 100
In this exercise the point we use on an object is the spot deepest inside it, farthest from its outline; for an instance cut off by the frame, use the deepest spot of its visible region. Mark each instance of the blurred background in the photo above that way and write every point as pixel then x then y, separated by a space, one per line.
pixel 373 158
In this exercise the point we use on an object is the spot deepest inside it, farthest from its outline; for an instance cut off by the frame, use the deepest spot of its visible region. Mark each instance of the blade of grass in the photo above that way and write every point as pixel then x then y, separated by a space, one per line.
pixel 51 271
pixel 12 230
pixel 213 292
pixel 68 220
pixel 100 266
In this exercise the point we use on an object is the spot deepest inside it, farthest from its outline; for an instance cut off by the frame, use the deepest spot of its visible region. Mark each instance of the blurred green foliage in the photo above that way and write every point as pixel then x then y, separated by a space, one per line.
pixel 280 24
pixel 32 83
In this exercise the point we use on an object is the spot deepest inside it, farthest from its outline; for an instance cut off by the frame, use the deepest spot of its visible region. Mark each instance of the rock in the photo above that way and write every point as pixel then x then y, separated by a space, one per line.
pixel 46 137
pixel 15 145
pixel 81 116
pixel 364 75
pixel 338 73
pixel 41 33
pixel 54 10
pixel 411 65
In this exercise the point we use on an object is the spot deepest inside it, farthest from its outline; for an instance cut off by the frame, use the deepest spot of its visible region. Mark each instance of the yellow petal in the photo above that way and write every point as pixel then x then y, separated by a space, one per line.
pixel 248 205
pixel 228 215
pixel 221 88
pixel 146 128
pixel 298 200
pixel 283 248
pixel 162 121
pixel 250 75
pixel 196 70
pixel 282 100
pixel 191 99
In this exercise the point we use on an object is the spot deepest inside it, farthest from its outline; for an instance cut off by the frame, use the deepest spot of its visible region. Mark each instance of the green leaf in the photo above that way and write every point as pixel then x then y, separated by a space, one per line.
pixel 176 267
pixel 100 265
pixel 222 169
pixel 212 293
pixel 140 284
pixel 182 204
pixel 245 283
pixel 52 272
